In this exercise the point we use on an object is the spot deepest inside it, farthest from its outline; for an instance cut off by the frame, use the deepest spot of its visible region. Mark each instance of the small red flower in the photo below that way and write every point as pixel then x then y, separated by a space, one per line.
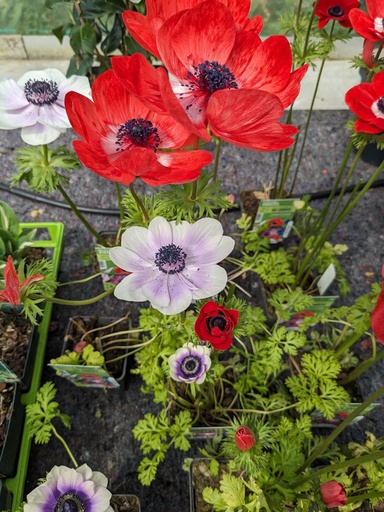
pixel 14 290
pixel 244 438
pixel 215 324
pixel 333 494
pixel 377 318
pixel 338 10
pixel 275 223
pixel 366 100
pixel 144 29
pixel 123 139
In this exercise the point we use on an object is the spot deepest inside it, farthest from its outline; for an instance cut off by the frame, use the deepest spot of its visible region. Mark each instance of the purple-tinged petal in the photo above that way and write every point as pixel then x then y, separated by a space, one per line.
pixel 207 281
pixel 11 95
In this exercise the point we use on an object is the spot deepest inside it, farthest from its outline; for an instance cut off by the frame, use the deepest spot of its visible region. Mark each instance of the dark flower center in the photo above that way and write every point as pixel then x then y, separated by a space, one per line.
pixel 191 366
pixel 170 259
pixel 41 92
pixel 336 11
pixel 210 77
pixel 137 132
pixel 69 502
pixel 217 321
pixel 380 104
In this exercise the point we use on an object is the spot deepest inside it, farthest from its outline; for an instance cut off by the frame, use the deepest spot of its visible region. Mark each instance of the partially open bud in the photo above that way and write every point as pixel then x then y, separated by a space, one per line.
pixel 333 494
pixel 244 438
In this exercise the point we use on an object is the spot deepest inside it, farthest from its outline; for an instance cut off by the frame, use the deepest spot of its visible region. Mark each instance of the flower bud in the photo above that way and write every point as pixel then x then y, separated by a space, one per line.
pixel 244 438
pixel 333 494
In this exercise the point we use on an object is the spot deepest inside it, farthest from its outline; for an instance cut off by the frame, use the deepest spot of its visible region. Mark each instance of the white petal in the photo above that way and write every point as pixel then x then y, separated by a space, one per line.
pixel 129 260
pixel 160 233
pixel 203 238
pixel 47 74
pixel 11 95
pixel 100 500
pixel 180 296
pixel 98 477
pixel 130 288
pixel 85 471
pixel 75 83
pixel 212 255
pixel 40 134
pixel 207 281
pixel 54 115
pixel 156 291
pixel 179 232
pixel 25 116
pixel 70 479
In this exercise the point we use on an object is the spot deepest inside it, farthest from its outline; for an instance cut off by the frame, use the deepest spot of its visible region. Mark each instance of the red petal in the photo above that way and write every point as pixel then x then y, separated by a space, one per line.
pixel 375 8
pixel 140 78
pixel 248 119
pixel 363 24
pixel 368 47
pixel 140 29
pixel 256 23
pixel 82 115
pixel 12 287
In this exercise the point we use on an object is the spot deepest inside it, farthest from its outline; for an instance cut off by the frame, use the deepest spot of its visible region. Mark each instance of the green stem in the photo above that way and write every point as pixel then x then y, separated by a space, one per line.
pixel 340 465
pixel 139 203
pixel 80 281
pixel 65 302
pixel 217 158
pixel 366 496
pixel 362 368
pixel 193 195
pixel 317 452
pixel 44 147
pixel 81 217
pixel 347 344
pixel 62 440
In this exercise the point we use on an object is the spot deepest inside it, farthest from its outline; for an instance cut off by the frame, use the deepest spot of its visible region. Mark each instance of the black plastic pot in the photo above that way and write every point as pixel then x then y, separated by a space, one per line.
pixel 9 451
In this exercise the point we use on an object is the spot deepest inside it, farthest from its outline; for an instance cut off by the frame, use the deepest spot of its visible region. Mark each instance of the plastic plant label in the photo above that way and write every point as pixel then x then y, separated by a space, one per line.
pixel 6 374
pixel 274 218
pixel 318 419
pixel 85 376
pixel 319 305
pixel 110 274
pixel 326 279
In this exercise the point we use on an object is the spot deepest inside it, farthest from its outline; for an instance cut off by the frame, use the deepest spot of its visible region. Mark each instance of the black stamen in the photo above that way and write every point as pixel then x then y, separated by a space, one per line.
pixel 336 11
pixel 170 259
pixel 210 77
pixel 137 132
pixel 41 92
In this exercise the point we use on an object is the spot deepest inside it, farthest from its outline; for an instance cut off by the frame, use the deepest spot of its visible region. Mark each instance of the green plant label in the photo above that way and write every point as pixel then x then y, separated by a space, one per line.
pixel 274 218
pixel 110 274
pixel 6 374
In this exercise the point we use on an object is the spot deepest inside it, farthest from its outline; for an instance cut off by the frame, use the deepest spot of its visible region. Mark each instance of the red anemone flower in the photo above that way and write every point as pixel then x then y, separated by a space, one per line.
pixel 14 290
pixel 369 25
pixel 144 29
pixel 122 138
pixel 215 324
pixel 245 438
pixel 338 10
pixel 377 316
pixel 217 66
pixel 367 102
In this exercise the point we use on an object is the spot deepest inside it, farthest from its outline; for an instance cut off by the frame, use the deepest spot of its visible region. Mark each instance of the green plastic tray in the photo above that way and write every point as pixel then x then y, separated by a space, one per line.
pixel 15 485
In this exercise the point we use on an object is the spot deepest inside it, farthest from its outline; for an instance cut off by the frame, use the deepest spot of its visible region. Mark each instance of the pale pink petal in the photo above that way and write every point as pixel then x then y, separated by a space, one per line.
pixel 26 116
pixel 130 288
pixel 208 281
pixel 11 95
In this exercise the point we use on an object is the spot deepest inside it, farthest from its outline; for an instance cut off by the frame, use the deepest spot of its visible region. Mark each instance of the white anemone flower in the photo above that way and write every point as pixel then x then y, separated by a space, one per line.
pixel 172 264
pixel 71 490
pixel 35 103
pixel 190 363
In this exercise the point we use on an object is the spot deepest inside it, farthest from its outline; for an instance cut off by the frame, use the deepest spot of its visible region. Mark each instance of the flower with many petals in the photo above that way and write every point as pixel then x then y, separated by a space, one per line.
pixel 122 138
pixel 71 490
pixel 144 28
pixel 333 494
pixel 172 264
pixel 14 290
pixel 190 363
pixel 366 100
pixel 215 324
pixel 369 25
pixel 35 103
pixel 338 10
pixel 225 81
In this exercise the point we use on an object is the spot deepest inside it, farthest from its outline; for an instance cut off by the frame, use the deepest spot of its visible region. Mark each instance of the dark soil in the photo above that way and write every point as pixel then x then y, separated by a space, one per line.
pixel 15 336
pixel 125 503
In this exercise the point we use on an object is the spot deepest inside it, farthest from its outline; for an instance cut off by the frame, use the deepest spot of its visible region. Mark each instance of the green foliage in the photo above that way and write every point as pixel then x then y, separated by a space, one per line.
pixel 192 201
pixel 44 288
pixel 273 267
pixel 316 386
pixel 40 415
pixel 14 241
pixel 155 433
pixel 286 302
pixel 38 166
pixel 88 356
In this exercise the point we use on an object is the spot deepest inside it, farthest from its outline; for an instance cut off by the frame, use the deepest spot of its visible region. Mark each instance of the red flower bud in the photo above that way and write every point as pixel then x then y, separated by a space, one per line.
pixel 333 494
pixel 79 346
pixel 244 438
pixel 215 324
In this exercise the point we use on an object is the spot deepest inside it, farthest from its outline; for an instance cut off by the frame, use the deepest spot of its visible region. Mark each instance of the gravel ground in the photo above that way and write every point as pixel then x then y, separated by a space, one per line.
pixel 102 422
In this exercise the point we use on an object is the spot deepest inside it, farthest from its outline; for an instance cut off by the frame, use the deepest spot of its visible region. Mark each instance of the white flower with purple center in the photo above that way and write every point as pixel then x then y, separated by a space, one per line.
pixel 71 490
pixel 35 103
pixel 172 264
pixel 190 363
